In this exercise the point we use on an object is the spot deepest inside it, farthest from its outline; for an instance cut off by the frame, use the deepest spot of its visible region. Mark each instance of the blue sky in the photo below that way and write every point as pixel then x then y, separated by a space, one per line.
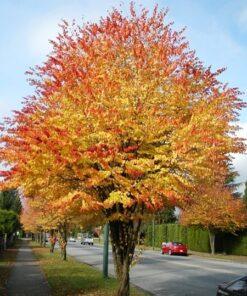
pixel 217 30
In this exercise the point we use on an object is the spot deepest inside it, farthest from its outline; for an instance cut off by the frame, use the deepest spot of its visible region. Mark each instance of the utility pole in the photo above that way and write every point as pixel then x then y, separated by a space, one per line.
pixel 106 247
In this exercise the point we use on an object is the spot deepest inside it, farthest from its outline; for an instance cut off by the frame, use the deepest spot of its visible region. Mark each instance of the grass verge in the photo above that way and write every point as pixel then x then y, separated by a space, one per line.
pixel 217 256
pixel 7 258
pixel 67 278
pixel 232 258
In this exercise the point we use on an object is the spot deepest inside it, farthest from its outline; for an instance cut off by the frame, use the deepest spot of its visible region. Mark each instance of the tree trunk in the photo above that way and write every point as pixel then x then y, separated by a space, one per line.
pixel 5 241
pixel 38 237
pixel 52 240
pixel 212 241
pixel 41 238
pixel 44 239
pixel 64 251
pixel 1 243
pixel 52 247
pixel 42 242
pixel 62 229
pixel 124 239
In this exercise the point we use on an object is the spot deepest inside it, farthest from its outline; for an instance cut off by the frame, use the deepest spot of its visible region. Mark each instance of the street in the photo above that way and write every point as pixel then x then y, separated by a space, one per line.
pixel 165 275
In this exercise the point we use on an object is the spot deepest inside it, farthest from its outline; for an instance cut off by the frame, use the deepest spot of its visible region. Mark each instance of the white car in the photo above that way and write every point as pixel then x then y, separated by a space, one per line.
pixel 72 240
pixel 88 240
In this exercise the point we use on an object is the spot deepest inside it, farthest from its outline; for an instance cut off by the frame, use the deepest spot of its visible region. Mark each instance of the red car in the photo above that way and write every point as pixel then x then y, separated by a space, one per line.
pixel 174 248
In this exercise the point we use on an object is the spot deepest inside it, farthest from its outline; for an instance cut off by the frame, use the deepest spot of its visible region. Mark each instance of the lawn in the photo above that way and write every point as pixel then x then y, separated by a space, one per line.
pixel 74 278
pixel 232 258
pixel 6 260
pixel 217 256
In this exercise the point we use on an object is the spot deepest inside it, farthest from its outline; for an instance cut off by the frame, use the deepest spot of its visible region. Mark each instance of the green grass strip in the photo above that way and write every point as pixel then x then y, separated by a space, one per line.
pixel 74 278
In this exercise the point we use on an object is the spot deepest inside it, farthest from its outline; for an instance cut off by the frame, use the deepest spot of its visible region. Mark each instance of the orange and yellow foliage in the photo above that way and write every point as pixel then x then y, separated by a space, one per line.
pixel 125 121
pixel 216 209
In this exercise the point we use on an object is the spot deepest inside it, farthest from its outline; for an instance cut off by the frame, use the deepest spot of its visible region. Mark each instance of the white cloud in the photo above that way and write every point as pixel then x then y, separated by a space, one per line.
pixel 242 18
pixel 243 131
pixel 216 45
pixel 39 34
pixel 240 160
pixel 45 28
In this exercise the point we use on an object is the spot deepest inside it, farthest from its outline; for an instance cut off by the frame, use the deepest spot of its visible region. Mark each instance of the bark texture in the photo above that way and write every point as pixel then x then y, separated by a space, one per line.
pixel 124 239
pixel 212 241
pixel 53 240
pixel 62 230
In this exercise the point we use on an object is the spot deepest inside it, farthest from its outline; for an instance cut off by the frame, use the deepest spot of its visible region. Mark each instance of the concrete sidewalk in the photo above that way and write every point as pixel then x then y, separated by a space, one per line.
pixel 26 277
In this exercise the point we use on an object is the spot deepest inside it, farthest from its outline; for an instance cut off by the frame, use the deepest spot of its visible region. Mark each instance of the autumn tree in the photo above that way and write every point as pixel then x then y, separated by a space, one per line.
pixel 124 122
pixel 215 209
pixel 30 219
pixel 40 219
pixel 48 213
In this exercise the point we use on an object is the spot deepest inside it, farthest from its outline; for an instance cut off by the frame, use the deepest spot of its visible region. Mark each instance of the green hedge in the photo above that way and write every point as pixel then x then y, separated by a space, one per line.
pixel 197 239
pixel 232 244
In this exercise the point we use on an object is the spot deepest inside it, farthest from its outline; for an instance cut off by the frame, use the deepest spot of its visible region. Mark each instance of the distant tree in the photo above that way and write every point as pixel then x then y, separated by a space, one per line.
pixel 10 210
pixel 166 216
pixel 10 201
pixel 245 194
pixel 230 182
pixel 9 222
pixel 215 210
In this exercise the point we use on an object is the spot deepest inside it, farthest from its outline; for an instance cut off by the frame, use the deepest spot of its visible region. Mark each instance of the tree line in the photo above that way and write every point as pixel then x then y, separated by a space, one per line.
pixel 10 211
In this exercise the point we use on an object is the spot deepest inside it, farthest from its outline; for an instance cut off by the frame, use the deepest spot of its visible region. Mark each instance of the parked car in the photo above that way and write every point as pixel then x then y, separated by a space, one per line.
pixel 72 240
pixel 87 240
pixel 174 248
pixel 237 287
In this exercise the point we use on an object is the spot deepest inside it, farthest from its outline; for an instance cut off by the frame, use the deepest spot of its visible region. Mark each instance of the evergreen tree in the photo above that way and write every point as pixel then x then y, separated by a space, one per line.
pixel 10 201
pixel 166 216
pixel 230 182
pixel 9 222
pixel 245 194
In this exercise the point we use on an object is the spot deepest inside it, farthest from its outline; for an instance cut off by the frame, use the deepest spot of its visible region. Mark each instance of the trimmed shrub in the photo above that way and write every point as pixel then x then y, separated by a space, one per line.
pixel 234 244
pixel 197 239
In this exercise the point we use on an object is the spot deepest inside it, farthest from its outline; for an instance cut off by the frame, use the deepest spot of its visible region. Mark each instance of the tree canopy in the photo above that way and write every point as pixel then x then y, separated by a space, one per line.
pixel 125 121
pixel 215 209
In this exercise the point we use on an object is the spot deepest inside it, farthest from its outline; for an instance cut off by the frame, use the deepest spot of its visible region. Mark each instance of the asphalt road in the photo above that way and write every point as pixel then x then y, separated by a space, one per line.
pixel 165 275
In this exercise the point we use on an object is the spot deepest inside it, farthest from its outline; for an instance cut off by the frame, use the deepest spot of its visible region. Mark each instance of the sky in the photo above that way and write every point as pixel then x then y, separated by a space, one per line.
pixel 217 30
